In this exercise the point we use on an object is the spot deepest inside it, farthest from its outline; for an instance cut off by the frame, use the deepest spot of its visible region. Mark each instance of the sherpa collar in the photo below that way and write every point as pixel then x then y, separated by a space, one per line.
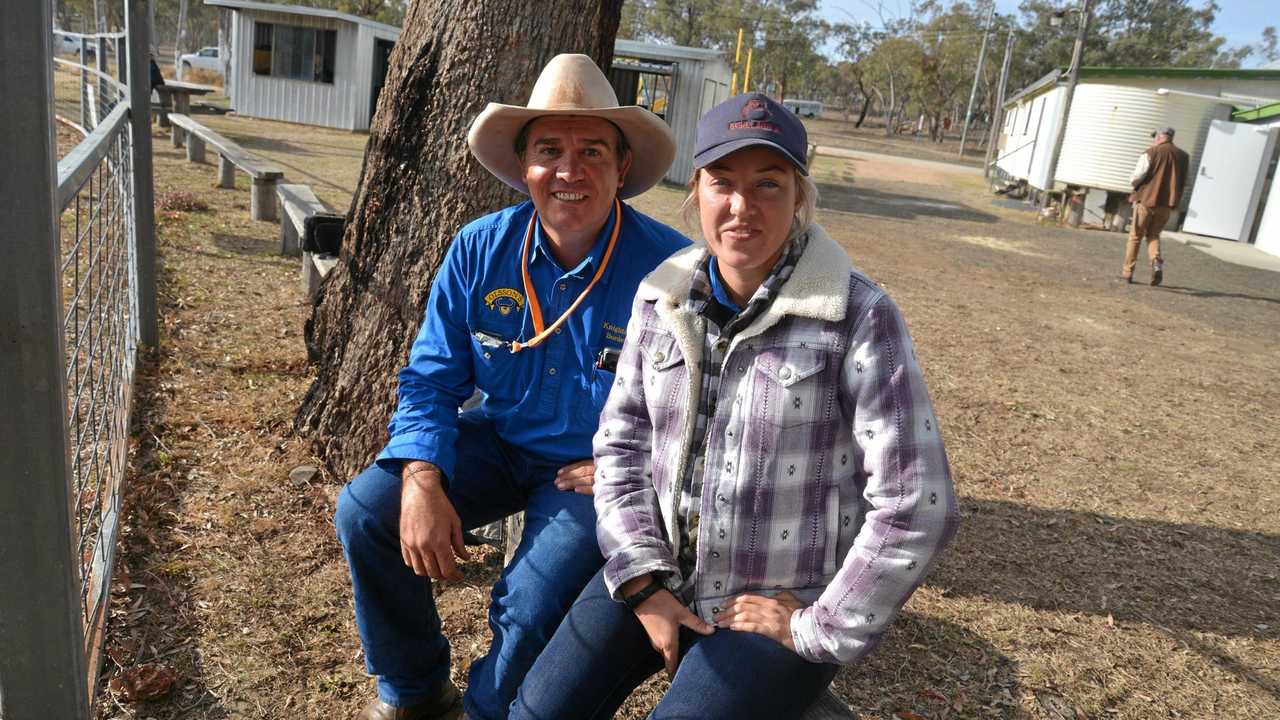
pixel 819 287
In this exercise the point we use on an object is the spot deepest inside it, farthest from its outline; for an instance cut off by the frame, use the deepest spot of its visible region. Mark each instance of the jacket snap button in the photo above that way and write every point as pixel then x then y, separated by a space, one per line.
pixel 784 373
pixel 659 356
pixel 718 585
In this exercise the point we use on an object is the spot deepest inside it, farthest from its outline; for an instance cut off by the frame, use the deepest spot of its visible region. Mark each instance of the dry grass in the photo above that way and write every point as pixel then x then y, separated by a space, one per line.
pixel 1114 447
pixel 832 129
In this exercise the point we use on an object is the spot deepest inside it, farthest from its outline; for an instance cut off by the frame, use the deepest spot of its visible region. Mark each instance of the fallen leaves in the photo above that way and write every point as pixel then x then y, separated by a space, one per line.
pixel 149 681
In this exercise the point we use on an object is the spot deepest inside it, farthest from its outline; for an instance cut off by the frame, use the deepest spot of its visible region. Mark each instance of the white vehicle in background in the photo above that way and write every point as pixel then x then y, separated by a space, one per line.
pixel 205 58
pixel 803 108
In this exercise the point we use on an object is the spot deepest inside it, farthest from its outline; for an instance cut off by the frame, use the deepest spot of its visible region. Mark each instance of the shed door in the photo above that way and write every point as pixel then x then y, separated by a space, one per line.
pixel 1233 166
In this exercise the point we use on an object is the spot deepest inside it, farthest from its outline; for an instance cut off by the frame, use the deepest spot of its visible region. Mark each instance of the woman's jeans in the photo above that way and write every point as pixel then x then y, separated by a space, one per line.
pixel 395 610
pixel 601 653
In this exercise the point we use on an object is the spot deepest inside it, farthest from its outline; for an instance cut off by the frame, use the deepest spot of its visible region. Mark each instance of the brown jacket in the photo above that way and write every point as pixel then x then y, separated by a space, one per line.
pixel 1165 178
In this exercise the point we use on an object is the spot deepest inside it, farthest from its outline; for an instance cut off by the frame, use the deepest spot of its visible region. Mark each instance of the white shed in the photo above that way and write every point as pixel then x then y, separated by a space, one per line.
pixel 303 64
pixel 1113 113
pixel 677 83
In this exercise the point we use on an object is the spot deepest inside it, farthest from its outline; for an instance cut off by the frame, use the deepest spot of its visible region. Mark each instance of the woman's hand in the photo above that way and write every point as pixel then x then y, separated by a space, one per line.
pixel 662 615
pixel 762 615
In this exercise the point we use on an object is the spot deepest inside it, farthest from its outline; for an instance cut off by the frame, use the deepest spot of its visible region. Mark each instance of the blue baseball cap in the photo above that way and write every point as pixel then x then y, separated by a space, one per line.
pixel 748 120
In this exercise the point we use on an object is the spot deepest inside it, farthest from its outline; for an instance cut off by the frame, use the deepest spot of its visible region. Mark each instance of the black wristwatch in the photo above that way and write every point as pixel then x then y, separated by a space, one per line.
pixel 634 600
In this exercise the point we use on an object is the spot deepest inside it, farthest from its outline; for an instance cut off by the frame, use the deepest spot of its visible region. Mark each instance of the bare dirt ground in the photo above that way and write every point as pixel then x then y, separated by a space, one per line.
pixel 1114 447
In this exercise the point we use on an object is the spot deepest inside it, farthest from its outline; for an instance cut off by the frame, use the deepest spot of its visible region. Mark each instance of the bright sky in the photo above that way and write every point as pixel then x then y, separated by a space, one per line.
pixel 1239 21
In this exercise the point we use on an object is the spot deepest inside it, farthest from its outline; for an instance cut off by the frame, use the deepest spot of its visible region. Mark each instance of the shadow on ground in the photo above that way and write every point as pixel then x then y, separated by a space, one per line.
pixel 1192 577
pixel 867 201
pixel 932 668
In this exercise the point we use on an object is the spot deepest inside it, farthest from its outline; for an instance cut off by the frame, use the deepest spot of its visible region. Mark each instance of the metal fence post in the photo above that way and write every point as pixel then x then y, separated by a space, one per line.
pixel 144 211
pixel 84 84
pixel 42 667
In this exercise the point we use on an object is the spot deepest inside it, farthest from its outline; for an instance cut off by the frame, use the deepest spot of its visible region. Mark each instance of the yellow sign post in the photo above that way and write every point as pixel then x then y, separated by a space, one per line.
pixel 746 76
pixel 737 58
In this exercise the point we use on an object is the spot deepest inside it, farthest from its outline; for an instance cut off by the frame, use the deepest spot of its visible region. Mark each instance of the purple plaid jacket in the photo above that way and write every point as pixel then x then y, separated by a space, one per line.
pixel 825 471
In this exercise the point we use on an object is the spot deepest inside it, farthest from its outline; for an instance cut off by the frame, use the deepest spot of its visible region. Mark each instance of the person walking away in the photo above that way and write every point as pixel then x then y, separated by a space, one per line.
pixel 1158 180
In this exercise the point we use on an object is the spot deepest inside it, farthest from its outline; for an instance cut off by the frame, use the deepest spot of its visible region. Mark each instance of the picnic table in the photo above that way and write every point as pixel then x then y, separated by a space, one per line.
pixel 180 93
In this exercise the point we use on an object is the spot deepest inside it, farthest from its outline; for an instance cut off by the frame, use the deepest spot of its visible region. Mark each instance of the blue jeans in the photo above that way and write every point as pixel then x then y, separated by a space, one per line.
pixel 601 653
pixel 395 610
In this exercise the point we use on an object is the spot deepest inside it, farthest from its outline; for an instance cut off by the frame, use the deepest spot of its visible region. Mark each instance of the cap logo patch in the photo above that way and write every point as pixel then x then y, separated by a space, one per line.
pixel 755 116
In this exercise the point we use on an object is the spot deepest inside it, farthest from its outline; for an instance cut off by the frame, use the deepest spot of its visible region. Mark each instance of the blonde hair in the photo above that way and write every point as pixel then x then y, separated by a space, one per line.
pixel 806 205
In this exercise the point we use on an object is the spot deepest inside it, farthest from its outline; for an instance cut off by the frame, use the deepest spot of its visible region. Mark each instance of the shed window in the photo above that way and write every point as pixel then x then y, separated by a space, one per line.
pixel 290 51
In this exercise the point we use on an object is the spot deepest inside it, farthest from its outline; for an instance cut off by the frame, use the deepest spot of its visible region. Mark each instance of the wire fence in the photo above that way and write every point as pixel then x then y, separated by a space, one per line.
pixel 82 284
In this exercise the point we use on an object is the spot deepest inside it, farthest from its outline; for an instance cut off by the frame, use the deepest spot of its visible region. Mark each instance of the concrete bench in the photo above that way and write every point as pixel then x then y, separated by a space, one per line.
pixel 266 175
pixel 298 203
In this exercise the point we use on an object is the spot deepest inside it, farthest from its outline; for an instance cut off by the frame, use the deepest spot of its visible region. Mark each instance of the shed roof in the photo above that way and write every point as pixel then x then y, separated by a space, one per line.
pixel 1261 112
pixel 302 10
pixel 1058 75
pixel 650 51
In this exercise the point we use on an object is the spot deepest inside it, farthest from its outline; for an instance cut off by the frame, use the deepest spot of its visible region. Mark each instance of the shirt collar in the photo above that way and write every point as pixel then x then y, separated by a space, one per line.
pixel 542 249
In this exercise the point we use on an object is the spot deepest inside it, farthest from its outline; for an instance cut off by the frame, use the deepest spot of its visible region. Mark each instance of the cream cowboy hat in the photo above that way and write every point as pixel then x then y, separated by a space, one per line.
pixel 573 85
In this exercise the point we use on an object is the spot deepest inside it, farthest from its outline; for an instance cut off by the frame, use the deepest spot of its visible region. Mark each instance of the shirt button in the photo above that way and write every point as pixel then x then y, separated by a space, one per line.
pixel 721 498
pixel 564 286
pixel 552 371
pixel 784 373
pixel 716 610
pixel 488 355
pixel 559 330
pixel 715 554
pixel 721 345
pixel 722 533
pixel 718 584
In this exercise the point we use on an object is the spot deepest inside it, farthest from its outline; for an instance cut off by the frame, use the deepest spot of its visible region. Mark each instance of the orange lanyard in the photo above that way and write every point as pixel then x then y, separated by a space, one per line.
pixel 531 297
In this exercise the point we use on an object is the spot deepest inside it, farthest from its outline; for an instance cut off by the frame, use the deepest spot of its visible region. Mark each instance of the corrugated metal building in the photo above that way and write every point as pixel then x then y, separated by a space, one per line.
pixel 677 83
pixel 1113 114
pixel 302 64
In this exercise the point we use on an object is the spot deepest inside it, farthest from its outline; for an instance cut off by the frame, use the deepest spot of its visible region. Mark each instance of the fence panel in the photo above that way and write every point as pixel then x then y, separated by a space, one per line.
pixel 79 300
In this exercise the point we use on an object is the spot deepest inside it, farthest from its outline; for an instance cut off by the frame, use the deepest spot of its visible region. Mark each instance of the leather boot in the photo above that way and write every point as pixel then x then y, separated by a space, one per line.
pixel 447 705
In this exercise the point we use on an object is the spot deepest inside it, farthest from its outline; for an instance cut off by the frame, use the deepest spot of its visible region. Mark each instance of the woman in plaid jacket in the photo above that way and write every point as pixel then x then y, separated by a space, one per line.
pixel 771 484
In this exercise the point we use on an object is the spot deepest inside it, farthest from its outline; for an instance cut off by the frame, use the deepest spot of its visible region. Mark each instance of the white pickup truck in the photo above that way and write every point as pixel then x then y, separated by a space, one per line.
pixel 205 58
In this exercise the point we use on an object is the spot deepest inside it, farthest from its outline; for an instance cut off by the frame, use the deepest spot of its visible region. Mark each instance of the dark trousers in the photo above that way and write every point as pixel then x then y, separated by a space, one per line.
pixel 601 653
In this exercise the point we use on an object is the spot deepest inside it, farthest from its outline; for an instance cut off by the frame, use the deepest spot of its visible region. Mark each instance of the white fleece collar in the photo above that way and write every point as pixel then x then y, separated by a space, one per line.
pixel 818 287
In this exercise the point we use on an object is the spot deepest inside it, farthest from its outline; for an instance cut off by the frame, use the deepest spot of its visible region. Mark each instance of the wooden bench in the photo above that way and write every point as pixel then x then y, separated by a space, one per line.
pixel 266 175
pixel 298 203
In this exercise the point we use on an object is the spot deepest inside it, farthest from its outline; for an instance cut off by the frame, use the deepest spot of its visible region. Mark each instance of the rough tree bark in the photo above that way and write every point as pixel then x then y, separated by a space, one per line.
pixel 419 185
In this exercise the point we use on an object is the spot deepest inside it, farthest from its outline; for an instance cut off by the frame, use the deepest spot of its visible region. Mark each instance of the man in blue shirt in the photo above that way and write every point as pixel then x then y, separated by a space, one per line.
pixel 527 308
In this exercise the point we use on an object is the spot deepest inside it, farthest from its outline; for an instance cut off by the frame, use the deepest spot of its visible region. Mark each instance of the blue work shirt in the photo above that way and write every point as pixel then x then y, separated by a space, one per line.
pixel 545 400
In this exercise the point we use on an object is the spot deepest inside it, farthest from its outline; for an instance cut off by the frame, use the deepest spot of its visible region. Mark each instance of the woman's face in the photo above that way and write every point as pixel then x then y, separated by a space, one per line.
pixel 746 201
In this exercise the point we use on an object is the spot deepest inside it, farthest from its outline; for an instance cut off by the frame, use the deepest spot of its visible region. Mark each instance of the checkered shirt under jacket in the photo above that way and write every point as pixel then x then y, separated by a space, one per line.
pixel 720 326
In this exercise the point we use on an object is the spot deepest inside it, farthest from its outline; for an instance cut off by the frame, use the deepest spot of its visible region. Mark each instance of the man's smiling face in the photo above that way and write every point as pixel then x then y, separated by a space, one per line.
pixel 573 172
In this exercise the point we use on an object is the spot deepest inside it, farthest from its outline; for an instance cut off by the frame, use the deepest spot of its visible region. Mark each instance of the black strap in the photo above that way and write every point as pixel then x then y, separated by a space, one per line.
pixel 633 601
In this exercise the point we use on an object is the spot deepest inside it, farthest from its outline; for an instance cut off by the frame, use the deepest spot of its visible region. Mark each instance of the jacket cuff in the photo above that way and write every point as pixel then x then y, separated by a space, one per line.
pixel 634 562
pixel 804 634
pixel 425 446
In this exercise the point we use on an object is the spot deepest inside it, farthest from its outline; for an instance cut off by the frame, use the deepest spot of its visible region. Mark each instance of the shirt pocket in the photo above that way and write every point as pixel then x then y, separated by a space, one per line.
pixel 788 385
pixel 499 374
pixel 666 378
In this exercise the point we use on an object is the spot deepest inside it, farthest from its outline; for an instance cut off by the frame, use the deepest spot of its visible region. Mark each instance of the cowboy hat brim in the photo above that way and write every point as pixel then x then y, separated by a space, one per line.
pixel 493 135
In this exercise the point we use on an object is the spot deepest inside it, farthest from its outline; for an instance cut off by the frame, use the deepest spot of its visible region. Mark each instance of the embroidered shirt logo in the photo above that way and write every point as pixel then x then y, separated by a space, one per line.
pixel 504 300
pixel 755 116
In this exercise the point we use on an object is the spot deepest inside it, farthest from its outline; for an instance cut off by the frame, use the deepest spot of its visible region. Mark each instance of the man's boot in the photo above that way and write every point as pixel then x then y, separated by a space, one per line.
pixel 447 705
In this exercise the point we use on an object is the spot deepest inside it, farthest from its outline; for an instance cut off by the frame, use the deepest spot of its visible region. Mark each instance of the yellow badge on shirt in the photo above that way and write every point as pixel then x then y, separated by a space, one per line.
pixel 504 300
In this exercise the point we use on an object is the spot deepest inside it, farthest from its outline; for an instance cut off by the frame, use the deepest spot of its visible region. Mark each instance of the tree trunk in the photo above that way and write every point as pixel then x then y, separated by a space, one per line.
pixel 419 185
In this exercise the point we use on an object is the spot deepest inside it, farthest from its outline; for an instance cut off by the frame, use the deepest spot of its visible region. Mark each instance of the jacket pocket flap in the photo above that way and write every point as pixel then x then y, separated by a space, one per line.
pixel 661 351
pixel 788 366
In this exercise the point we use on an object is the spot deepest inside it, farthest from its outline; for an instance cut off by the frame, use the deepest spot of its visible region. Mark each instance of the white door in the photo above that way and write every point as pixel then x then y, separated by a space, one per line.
pixel 1232 169
pixel 1268 237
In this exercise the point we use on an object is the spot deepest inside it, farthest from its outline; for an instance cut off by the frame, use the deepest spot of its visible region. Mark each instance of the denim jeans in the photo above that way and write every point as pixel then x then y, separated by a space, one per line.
pixel 395 611
pixel 601 653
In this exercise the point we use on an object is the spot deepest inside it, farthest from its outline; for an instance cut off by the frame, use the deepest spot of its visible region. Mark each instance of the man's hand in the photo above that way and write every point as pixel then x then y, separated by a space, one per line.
pixel 579 477
pixel 770 617
pixel 662 615
pixel 430 531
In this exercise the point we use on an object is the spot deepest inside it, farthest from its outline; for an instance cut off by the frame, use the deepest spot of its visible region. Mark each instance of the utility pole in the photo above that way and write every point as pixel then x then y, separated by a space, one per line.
pixel 977 74
pixel 997 120
pixel 1073 75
